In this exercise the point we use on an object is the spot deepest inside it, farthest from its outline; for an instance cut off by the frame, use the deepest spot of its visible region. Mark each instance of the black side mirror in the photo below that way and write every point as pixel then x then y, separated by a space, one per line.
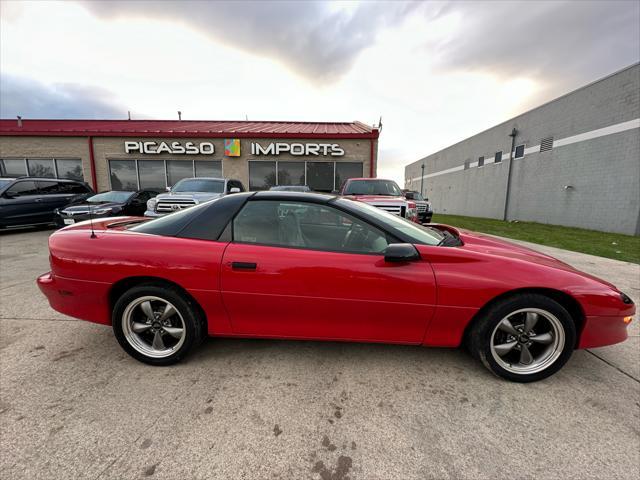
pixel 8 195
pixel 401 252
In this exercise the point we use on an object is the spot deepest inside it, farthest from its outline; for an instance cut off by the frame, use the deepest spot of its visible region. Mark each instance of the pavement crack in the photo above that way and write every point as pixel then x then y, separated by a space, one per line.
pixel 615 366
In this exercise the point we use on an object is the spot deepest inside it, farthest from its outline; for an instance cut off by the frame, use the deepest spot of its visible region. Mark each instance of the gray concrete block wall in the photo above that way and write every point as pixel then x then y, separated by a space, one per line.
pixel 604 171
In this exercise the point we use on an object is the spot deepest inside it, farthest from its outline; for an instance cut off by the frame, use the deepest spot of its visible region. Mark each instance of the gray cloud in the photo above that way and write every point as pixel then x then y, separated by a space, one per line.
pixel 309 37
pixel 32 99
pixel 562 43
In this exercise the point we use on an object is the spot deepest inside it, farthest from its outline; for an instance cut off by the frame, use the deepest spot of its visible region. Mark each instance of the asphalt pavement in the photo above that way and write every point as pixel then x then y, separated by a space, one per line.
pixel 74 405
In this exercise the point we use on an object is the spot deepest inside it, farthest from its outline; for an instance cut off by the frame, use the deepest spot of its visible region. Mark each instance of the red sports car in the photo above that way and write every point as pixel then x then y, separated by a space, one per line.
pixel 322 267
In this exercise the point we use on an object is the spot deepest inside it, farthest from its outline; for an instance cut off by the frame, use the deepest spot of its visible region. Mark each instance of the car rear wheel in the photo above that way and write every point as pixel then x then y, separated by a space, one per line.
pixel 157 324
pixel 524 338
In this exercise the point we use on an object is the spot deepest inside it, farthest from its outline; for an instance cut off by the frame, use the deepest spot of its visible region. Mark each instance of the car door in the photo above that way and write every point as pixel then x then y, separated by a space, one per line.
pixel 292 270
pixel 58 194
pixel 21 204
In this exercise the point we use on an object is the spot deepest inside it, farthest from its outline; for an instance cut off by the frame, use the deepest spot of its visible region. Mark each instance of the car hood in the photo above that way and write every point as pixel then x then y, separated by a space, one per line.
pixel 199 196
pixel 481 243
pixel 82 206
pixel 376 198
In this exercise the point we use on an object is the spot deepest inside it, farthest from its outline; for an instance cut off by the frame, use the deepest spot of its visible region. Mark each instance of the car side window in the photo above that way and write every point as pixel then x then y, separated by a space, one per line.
pixel 20 189
pixel 50 188
pixel 142 196
pixel 305 225
pixel 74 188
pixel 234 184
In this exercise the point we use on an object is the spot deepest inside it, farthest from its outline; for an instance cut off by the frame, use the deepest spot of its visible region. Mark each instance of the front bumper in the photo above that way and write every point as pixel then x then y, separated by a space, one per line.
pixel 425 217
pixel 603 331
pixel 154 214
pixel 66 220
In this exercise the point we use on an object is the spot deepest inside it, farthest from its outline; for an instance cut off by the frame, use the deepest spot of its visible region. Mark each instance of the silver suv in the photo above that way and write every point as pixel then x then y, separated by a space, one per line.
pixel 189 192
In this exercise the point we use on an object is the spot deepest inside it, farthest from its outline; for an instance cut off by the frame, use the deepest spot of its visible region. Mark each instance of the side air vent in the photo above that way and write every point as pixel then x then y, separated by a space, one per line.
pixel 546 144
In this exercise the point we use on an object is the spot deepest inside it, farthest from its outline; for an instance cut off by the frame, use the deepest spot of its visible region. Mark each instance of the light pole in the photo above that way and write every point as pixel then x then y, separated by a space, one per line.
pixel 422 181
pixel 513 135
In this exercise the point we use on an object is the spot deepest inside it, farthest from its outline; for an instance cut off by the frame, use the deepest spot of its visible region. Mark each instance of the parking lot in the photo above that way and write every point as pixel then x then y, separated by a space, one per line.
pixel 74 405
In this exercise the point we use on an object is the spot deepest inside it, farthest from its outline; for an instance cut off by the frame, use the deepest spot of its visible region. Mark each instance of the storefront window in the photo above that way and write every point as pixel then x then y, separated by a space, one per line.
pixel 123 175
pixel 41 168
pixel 177 170
pixel 13 167
pixel 70 168
pixel 262 175
pixel 291 173
pixel 152 175
pixel 347 170
pixel 320 176
pixel 208 168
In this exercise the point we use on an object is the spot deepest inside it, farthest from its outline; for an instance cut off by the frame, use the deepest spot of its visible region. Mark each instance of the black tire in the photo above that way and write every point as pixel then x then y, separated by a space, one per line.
pixel 561 325
pixel 187 313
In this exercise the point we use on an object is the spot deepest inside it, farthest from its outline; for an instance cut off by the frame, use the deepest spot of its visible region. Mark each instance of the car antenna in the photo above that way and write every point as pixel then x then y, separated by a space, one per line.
pixel 93 233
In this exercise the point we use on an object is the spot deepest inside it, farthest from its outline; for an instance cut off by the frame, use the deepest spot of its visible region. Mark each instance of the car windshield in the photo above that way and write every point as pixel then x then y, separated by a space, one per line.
pixel 114 196
pixel 199 185
pixel 5 181
pixel 418 234
pixel 373 187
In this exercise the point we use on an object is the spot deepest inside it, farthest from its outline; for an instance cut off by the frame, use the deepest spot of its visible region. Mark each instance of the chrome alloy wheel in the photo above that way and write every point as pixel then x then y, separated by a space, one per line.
pixel 153 326
pixel 527 341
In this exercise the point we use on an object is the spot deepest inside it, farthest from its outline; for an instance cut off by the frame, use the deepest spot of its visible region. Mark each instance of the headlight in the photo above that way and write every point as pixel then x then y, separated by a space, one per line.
pixel 151 204
pixel 101 211
pixel 428 207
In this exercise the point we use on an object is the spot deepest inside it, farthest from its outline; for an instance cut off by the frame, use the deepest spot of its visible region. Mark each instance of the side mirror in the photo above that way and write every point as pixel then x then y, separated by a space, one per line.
pixel 8 195
pixel 426 199
pixel 168 189
pixel 401 252
pixel 234 190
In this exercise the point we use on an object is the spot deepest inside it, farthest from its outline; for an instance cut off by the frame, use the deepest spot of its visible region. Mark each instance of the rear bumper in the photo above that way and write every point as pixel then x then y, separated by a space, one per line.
pixel 603 331
pixel 77 298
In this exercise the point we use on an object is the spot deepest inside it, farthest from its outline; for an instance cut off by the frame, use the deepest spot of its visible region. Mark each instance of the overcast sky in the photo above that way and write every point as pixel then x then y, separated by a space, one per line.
pixel 436 72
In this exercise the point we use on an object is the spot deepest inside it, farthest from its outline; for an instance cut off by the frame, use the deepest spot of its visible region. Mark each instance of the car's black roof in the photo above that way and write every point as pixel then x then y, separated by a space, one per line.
pixel 294 196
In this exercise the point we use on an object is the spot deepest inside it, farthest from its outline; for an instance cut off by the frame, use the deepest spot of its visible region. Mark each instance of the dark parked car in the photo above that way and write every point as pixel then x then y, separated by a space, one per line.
pixel 105 204
pixel 32 201
pixel 290 188
pixel 425 212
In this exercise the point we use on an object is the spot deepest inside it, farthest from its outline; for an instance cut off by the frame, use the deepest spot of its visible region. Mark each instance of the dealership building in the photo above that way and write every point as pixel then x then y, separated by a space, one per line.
pixel 574 161
pixel 155 154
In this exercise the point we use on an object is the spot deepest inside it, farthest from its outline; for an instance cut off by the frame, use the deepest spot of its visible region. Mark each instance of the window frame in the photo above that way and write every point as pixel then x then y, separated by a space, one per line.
pixel 388 237
pixel 495 157
pixel 54 160
pixel 306 173
pixel 166 171
pixel 515 151
pixel 23 180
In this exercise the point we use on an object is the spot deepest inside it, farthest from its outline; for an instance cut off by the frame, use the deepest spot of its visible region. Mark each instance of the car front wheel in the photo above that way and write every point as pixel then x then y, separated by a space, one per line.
pixel 156 324
pixel 524 338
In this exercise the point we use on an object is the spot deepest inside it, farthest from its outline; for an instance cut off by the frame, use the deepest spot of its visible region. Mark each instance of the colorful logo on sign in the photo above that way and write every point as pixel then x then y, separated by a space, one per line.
pixel 232 147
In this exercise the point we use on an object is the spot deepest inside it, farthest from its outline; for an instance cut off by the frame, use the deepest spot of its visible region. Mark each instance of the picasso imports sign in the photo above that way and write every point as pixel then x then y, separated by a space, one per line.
pixel 175 148
pixel 332 149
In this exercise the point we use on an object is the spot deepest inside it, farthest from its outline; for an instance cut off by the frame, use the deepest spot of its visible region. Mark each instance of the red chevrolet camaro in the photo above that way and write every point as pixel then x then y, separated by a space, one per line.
pixel 321 267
